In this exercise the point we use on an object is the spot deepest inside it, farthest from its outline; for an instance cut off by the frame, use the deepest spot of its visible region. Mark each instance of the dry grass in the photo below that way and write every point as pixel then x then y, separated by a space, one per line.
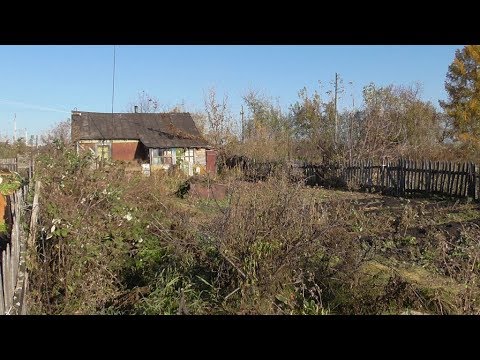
pixel 270 247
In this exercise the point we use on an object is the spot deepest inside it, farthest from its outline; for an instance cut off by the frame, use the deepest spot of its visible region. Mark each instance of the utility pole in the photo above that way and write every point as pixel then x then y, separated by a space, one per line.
pixel 26 139
pixel 243 126
pixel 350 125
pixel 15 127
pixel 336 116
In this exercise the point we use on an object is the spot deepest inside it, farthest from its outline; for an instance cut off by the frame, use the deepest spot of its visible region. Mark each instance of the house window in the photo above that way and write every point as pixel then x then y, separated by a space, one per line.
pixel 161 156
pixel 189 155
pixel 103 152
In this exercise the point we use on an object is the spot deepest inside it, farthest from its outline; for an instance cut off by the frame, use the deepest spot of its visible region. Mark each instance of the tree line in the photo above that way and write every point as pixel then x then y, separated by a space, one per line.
pixel 391 121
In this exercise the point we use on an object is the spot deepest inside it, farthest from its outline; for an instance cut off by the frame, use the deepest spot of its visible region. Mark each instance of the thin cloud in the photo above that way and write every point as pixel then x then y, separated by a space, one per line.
pixel 35 107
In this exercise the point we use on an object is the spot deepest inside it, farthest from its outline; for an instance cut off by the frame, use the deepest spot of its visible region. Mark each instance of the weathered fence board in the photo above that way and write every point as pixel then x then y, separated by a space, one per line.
pixel 404 177
pixel 13 273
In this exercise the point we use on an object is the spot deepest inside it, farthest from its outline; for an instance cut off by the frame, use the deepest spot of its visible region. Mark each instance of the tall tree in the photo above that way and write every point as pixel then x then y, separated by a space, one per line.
pixel 313 124
pixel 463 88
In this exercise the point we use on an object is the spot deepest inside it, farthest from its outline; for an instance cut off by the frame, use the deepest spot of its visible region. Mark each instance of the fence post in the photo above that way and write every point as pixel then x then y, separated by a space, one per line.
pixel 2 301
pixel 471 180
pixel 475 196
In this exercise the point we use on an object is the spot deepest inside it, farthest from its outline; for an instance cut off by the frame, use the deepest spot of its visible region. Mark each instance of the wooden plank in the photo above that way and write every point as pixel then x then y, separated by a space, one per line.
pixel 408 184
pixel 387 175
pixel 475 177
pixel 471 186
pixel 452 180
pixel 406 172
pixel 465 180
pixel 457 179
pixel 421 176
pixel 412 175
pixel 434 166
pixel 6 278
pixel 415 175
pixel 444 177
pixel 460 179
pixel 382 175
pixel 399 178
pixel 440 177
pixel 2 299
pixel 427 177
pixel 12 280
pixel 449 175
pixel 362 176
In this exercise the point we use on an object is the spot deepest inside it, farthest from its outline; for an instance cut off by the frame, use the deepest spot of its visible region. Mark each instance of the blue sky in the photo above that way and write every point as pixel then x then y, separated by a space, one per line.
pixel 42 84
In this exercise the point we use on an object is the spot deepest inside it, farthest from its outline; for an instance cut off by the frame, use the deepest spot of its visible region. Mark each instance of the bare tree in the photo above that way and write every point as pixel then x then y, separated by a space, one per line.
pixel 200 120
pixel 60 132
pixel 146 103
pixel 218 118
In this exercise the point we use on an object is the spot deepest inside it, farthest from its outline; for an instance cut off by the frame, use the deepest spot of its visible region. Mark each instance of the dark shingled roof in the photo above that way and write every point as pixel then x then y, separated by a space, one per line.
pixel 154 130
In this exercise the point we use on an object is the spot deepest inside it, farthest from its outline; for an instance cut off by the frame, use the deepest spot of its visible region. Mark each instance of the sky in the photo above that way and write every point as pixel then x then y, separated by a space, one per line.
pixel 41 85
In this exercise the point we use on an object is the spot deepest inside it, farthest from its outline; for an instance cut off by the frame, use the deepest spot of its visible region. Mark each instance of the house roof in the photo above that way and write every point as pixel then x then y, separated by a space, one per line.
pixel 154 130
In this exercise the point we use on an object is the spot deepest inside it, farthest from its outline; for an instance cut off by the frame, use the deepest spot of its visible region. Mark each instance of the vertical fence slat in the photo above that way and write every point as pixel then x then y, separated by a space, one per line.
pixel 7 278
pixel 2 298
pixel 452 179
pixel 474 181
pixel 464 180
pixel 400 177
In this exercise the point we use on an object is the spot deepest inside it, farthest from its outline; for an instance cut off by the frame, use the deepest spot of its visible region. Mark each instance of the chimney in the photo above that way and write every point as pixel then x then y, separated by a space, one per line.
pixel 136 109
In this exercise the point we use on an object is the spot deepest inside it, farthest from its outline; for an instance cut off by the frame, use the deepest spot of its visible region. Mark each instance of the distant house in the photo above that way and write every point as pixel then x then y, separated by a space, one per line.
pixel 155 140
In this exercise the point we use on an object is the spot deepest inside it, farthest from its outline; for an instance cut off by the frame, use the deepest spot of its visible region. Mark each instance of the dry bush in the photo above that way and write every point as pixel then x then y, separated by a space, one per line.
pixel 88 233
pixel 280 251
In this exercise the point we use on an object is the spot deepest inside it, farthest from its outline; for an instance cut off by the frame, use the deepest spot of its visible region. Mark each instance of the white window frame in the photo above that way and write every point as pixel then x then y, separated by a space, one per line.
pixel 159 157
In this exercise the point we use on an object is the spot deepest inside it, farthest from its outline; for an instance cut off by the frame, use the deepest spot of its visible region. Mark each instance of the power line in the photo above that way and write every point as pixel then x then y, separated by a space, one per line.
pixel 43 108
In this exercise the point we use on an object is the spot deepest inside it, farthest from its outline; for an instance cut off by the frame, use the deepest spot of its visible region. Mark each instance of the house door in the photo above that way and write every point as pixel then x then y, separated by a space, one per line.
pixel 211 162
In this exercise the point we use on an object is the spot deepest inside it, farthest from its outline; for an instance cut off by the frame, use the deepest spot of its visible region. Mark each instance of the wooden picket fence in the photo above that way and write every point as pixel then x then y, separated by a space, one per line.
pixel 13 276
pixel 20 164
pixel 402 177
pixel 9 164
